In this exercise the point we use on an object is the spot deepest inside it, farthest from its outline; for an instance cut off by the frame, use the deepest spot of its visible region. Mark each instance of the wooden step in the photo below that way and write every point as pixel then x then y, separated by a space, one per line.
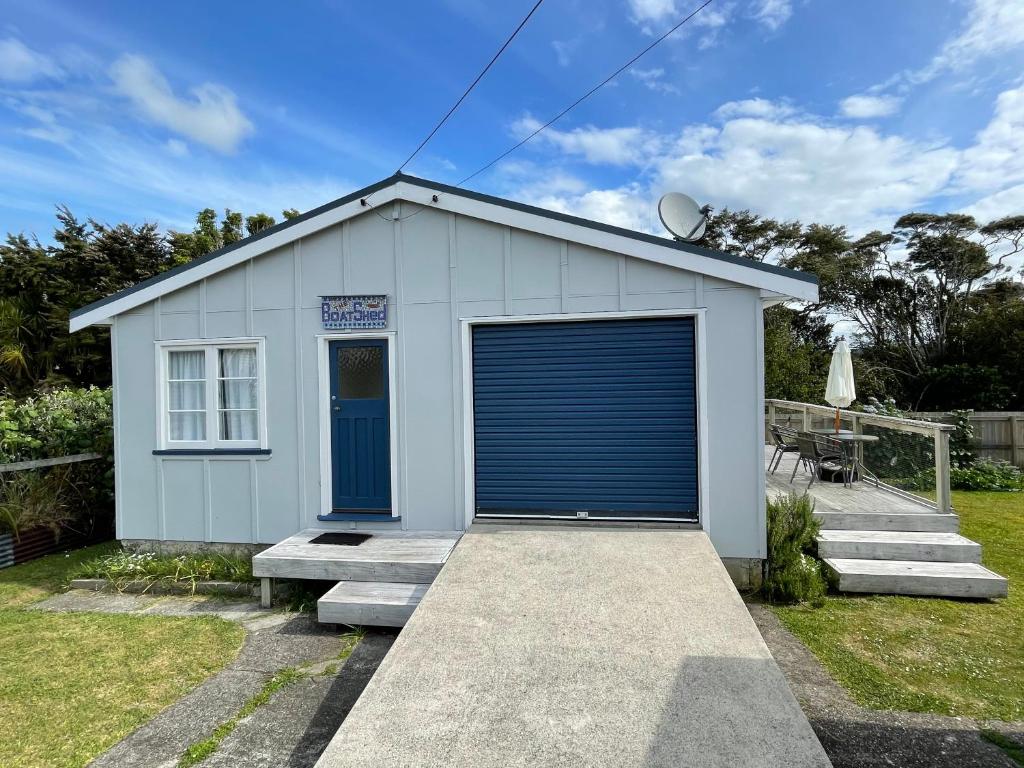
pixel 370 603
pixel 902 577
pixel 400 556
pixel 933 522
pixel 898 545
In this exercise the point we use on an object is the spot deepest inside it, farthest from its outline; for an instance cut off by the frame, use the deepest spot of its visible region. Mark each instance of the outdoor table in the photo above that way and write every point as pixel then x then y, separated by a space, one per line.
pixel 857 440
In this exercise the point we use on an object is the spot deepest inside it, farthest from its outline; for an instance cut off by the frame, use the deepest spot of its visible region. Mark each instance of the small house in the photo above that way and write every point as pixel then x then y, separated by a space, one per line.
pixel 418 357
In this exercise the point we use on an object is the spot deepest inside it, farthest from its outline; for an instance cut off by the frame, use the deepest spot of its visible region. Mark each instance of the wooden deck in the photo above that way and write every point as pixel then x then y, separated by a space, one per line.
pixel 874 540
pixel 863 496
pixel 388 556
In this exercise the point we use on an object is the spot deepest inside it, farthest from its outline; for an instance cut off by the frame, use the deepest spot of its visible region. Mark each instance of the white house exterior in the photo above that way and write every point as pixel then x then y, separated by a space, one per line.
pixel 531 364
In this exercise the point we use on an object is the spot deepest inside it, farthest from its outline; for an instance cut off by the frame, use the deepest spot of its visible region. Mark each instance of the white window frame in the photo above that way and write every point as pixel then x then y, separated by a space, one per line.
pixel 211 348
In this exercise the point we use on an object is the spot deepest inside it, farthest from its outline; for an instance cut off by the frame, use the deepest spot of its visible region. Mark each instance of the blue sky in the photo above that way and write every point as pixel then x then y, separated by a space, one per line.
pixel 823 110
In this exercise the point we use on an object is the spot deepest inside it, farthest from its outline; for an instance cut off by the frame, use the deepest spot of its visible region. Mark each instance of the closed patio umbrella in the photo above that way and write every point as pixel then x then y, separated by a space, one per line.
pixel 840 390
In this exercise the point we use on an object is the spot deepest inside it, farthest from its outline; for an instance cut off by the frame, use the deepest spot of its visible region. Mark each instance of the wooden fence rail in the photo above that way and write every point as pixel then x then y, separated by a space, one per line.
pixel 999 434
pixel 18 466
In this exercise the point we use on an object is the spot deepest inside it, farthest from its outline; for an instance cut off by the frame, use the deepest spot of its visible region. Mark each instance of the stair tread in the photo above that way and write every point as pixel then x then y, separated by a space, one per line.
pixel 920 568
pixel 375 593
pixel 909 537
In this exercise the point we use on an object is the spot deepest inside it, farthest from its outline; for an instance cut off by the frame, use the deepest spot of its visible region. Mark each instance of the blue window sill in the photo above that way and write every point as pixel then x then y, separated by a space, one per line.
pixel 212 452
pixel 365 517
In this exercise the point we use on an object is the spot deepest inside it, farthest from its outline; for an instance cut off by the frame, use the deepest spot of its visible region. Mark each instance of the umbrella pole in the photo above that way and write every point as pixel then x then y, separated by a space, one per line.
pixel 837 420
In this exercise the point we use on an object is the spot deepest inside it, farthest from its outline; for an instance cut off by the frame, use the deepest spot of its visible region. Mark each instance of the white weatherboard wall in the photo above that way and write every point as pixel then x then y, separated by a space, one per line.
pixel 436 268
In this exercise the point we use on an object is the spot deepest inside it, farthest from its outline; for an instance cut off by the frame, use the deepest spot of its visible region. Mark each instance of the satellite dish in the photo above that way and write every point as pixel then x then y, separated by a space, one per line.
pixel 683 217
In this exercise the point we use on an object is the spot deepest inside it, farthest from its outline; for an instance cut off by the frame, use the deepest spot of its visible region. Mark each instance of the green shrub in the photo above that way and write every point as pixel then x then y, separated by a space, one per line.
pixel 34 498
pixel 962 441
pixel 122 566
pixel 60 422
pixel 987 475
pixel 980 475
pixel 793 576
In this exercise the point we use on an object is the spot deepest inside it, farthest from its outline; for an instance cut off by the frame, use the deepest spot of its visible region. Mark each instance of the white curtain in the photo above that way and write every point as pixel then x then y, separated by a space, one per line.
pixel 186 390
pixel 238 402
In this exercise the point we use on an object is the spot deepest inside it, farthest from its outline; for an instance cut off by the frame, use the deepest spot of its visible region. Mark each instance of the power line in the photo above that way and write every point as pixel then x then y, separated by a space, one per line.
pixel 585 96
pixel 472 85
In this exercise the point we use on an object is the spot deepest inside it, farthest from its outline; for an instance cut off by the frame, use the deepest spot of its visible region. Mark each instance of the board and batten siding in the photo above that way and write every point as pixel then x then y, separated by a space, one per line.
pixel 436 268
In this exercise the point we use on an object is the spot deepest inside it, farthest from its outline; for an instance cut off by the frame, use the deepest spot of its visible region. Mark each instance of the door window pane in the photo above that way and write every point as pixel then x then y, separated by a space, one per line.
pixel 361 373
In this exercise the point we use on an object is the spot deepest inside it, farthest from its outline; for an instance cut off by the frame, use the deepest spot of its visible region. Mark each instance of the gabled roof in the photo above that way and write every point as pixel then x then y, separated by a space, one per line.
pixel 771 279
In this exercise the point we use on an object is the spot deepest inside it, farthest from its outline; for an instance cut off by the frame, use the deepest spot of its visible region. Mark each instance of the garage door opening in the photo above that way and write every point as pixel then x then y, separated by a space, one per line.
pixel 589 419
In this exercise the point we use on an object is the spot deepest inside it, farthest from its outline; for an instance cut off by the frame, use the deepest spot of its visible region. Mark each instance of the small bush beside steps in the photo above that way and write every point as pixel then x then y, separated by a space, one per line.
pixel 793 575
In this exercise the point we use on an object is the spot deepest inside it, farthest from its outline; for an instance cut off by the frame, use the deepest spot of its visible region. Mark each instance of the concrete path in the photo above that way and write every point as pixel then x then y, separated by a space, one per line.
pixel 291 730
pixel 578 647
pixel 855 737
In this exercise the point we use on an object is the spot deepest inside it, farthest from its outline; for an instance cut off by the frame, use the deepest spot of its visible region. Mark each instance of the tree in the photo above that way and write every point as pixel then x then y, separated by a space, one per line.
pixel 41 284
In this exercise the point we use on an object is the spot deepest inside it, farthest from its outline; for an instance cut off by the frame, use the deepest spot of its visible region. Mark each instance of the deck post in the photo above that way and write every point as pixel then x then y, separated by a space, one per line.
pixel 943 499
pixel 771 413
pixel 1016 446
pixel 266 591
pixel 807 418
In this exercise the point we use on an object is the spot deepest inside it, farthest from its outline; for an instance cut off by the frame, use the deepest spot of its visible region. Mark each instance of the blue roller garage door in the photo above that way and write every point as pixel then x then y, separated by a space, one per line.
pixel 586 419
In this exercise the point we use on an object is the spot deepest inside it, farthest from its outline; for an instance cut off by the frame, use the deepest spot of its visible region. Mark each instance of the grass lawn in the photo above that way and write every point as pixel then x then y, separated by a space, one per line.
pixel 72 685
pixel 929 655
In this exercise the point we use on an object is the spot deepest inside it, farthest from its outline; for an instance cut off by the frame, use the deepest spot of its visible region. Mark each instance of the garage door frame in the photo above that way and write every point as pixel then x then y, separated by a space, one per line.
pixel 469 430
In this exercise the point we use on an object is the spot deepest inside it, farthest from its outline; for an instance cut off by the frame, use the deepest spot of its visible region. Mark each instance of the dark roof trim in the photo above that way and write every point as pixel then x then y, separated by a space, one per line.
pixel 450 190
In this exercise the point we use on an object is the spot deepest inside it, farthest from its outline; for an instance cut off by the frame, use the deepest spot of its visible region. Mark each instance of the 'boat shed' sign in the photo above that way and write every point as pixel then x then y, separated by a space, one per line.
pixel 347 312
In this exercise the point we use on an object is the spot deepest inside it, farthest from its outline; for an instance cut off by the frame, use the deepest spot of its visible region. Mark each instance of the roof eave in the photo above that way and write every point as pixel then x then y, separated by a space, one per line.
pixel 797 285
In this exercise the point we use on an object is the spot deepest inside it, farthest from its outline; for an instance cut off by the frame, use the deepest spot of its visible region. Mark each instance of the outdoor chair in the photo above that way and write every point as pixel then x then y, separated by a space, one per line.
pixel 817 454
pixel 784 440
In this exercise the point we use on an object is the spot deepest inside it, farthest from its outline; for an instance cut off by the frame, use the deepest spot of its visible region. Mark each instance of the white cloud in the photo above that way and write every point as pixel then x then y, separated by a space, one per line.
pixel 652 10
pixel 121 178
pixel 756 107
pixel 654 17
pixel 863 106
pixel 996 159
pixel 20 64
pixel 806 169
pixel 211 117
pixel 765 156
pixel 564 50
pixel 45 127
pixel 653 79
pixel 772 13
pixel 992 27
pixel 610 146
pixel 177 147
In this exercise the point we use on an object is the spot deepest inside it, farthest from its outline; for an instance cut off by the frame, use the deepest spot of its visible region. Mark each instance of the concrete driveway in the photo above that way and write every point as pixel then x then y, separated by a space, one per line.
pixel 557 646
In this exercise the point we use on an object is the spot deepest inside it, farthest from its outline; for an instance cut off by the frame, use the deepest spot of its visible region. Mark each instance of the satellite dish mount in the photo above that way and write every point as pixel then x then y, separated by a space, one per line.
pixel 682 217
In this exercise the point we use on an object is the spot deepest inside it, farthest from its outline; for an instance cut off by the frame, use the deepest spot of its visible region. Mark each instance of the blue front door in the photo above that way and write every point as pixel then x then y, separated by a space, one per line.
pixel 360 432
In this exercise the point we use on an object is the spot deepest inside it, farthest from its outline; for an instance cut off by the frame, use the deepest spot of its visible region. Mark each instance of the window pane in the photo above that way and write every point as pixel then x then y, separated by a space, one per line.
pixel 236 363
pixel 237 393
pixel 186 364
pixel 239 425
pixel 186 395
pixel 360 372
pixel 188 426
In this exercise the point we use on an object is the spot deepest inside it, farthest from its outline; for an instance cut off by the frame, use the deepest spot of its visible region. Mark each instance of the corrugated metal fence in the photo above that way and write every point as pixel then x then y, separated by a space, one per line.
pixel 36 542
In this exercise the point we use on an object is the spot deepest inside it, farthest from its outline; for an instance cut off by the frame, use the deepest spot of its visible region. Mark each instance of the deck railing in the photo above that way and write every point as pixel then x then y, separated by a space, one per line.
pixel 910 458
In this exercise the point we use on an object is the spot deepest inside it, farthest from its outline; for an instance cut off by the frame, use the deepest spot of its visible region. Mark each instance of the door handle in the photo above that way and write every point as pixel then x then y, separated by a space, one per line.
pixel 336 408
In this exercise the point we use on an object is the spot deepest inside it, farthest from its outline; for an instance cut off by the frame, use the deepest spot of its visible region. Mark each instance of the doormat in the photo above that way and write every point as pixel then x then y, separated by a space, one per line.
pixel 342 539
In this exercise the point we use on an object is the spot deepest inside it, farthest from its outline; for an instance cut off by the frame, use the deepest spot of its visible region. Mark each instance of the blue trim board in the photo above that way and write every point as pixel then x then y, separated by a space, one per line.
pixel 212 452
